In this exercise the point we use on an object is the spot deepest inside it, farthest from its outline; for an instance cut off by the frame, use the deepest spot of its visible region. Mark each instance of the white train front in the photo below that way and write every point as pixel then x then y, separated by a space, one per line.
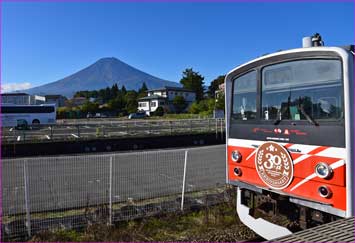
pixel 290 137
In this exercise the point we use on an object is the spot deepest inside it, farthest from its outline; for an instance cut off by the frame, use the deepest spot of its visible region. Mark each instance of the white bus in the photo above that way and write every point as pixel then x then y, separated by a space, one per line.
pixel 15 115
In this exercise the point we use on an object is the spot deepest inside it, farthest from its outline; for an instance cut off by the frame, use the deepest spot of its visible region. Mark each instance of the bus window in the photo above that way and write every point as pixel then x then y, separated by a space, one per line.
pixel 302 90
pixel 27 109
pixel 244 97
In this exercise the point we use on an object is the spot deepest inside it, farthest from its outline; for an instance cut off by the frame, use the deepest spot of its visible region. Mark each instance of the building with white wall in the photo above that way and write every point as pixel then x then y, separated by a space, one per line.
pixel 164 97
pixel 58 100
pixel 22 99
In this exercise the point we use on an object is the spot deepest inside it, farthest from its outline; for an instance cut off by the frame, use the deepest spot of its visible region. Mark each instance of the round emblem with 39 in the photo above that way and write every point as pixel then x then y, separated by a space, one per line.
pixel 274 165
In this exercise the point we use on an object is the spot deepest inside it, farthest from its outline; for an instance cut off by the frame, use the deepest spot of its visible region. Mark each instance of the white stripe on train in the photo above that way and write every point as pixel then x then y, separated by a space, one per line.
pixel 331 152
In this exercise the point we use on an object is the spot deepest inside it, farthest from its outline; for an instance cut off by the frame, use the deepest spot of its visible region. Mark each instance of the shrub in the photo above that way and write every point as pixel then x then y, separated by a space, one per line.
pixel 159 111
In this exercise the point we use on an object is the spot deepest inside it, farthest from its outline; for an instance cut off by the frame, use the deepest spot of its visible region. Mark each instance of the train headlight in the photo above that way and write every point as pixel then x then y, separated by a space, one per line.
pixel 323 170
pixel 324 191
pixel 236 156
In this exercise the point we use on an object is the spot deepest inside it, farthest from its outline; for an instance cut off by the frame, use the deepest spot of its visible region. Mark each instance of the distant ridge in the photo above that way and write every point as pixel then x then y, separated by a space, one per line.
pixel 103 73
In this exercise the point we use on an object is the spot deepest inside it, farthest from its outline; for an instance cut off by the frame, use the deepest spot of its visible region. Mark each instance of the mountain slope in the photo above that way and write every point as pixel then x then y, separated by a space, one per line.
pixel 105 72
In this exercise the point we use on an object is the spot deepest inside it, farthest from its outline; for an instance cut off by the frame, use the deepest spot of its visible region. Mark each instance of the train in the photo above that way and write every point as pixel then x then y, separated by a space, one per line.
pixel 290 137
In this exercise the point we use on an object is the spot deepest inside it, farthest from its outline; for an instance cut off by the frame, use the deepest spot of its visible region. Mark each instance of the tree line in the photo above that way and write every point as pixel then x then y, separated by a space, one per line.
pixel 117 101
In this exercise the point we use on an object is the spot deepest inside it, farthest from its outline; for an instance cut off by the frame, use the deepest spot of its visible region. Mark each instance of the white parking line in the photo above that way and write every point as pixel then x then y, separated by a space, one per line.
pixel 74 135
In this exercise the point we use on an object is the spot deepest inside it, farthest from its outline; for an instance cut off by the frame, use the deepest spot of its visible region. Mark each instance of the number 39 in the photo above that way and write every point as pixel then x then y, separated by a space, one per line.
pixel 272 160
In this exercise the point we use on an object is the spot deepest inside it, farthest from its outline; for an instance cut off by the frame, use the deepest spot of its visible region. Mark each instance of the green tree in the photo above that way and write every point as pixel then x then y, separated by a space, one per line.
pixel 159 111
pixel 214 86
pixel 89 107
pixel 220 102
pixel 124 90
pixel 107 94
pixel 114 91
pixel 62 112
pixel 142 92
pixel 194 108
pixel 179 103
pixel 204 107
pixel 144 88
pixel 194 81
pixel 118 103
pixel 131 101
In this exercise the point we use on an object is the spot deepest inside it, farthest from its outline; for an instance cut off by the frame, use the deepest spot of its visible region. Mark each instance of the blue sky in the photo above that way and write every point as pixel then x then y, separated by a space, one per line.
pixel 46 41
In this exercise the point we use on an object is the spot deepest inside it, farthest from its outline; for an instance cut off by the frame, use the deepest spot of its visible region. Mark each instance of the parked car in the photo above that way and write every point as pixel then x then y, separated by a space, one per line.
pixel 138 115
pixel 22 125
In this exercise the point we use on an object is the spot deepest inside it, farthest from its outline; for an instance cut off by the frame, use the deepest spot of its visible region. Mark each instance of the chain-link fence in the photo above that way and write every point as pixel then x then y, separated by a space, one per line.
pixel 110 129
pixel 73 191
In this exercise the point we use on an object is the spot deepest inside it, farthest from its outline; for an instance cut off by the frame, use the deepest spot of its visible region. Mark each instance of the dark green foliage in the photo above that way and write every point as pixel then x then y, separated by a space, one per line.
pixel 131 101
pixel 214 86
pixel 159 111
pixel 122 101
pixel 179 103
pixel 104 94
pixel 119 101
pixel 194 81
pixel 220 103
pixel 142 92
pixel 89 107
pixel 143 88
pixel 203 107
pixel 123 90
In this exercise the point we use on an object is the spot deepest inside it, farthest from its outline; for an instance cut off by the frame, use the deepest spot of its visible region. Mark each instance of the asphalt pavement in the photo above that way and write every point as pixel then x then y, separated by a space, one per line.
pixel 93 129
pixel 66 182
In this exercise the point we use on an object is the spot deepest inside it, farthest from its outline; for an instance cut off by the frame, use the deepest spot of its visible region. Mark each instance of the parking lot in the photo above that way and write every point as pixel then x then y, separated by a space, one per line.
pixel 65 182
pixel 91 129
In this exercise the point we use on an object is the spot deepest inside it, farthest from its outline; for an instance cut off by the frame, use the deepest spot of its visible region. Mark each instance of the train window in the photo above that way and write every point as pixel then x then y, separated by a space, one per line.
pixel 302 90
pixel 244 96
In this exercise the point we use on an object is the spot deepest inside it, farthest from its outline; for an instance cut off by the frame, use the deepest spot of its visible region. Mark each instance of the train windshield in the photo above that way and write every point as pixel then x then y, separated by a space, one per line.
pixel 302 90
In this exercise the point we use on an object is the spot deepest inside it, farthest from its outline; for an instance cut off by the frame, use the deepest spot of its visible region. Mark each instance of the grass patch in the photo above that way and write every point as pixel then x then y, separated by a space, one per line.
pixel 218 223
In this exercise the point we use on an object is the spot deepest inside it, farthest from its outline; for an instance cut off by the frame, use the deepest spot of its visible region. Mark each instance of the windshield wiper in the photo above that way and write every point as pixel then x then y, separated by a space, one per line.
pixel 308 117
pixel 277 121
pixel 283 110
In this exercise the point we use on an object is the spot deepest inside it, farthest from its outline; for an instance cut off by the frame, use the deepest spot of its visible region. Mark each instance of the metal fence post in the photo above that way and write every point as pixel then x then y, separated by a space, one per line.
pixel 78 127
pixel 110 193
pixel 183 183
pixel 221 129
pixel 51 127
pixel 216 128
pixel 24 136
pixel 26 182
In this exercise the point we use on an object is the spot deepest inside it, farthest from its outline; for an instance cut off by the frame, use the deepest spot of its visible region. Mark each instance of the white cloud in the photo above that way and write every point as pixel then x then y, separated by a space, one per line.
pixel 14 86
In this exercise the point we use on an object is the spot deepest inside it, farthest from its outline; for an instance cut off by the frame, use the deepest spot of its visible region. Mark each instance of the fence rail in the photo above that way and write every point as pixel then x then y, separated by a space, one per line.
pixel 41 192
pixel 86 129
